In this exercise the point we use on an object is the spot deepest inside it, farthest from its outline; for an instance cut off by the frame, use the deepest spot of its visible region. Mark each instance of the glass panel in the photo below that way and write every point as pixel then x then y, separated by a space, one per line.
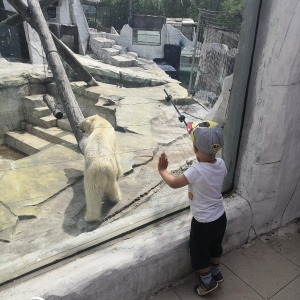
pixel 89 10
pixel 146 37
pixel 43 193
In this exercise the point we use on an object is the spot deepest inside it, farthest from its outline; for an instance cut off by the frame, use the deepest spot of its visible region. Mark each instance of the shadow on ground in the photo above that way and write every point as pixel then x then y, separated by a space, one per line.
pixel 74 223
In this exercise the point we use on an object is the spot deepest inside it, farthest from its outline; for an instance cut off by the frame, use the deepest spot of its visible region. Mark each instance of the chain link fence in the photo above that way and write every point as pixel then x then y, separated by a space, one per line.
pixel 213 57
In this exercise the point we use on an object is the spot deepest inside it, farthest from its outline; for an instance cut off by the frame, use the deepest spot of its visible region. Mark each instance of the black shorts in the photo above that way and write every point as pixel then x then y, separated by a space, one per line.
pixel 206 241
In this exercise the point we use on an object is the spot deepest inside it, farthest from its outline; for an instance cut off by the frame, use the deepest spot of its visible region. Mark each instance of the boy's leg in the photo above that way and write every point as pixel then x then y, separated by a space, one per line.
pixel 215 269
pixel 205 275
pixel 199 252
pixel 215 260
pixel 216 249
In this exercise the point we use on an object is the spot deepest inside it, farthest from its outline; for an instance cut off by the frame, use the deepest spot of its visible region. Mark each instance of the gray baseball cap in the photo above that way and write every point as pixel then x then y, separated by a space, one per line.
pixel 208 140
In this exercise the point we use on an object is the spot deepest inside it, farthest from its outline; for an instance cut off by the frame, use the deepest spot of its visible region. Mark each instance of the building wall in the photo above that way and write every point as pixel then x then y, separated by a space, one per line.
pixel 268 171
pixel 169 35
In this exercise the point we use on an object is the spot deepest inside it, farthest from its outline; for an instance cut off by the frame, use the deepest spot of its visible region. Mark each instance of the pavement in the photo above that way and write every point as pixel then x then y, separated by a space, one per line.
pixel 266 268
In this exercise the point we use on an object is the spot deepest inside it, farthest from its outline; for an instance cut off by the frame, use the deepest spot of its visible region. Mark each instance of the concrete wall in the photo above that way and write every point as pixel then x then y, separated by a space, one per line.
pixel 11 112
pixel 36 53
pixel 169 35
pixel 90 103
pixel 63 14
pixel 268 166
pixel 78 18
pixel 11 104
pixel 68 12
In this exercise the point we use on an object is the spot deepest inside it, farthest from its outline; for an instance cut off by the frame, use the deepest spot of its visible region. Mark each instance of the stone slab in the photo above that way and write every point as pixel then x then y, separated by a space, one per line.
pixel 232 288
pixel 98 43
pixel 286 242
pixel 33 101
pixel 289 292
pixel 64 124
pixel 244 263
pixel 10 75
pixel 22 180
pixel 122 61
pixel 110 51
pixel 54 135
pixel 48 121
pixel 107 73
pixel 41 112
pixel 26 143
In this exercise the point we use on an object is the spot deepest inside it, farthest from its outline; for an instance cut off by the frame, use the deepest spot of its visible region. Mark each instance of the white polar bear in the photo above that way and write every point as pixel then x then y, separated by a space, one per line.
pixel 101 166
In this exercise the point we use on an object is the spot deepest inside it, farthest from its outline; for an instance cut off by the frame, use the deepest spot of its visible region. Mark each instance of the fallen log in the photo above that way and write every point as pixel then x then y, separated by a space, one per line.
pixel 49 100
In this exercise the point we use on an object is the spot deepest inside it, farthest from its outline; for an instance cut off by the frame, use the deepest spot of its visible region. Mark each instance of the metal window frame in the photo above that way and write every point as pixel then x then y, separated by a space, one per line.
pixel 135 37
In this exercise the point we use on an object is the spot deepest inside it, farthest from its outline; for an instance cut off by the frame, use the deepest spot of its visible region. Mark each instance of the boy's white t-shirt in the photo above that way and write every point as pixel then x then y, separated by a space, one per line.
pixel 205 185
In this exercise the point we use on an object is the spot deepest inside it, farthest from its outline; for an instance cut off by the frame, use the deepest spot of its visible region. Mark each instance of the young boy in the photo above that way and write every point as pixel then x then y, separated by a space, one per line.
pixel 204 180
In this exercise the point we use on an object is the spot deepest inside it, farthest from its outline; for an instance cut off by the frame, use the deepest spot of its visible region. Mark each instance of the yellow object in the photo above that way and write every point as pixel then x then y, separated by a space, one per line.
pixel 205 123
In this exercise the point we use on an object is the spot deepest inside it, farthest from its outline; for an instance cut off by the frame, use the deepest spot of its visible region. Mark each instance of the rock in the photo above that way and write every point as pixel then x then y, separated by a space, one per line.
pixel 8 221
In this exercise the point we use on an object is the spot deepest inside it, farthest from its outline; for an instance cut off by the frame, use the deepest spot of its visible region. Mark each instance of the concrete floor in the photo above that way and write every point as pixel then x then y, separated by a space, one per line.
pixel 267 268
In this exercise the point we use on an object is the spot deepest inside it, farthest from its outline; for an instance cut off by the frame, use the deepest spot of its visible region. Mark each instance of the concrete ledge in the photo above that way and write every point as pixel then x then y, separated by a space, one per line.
pixel 122 61
pixel 98 43
pixel 131 268
pixel 53 135
pixel 64 124
pixel 33 101
pixel 26 142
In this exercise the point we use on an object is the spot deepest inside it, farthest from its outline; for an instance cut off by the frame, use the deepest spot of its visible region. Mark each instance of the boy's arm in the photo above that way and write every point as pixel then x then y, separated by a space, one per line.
pixel 171 181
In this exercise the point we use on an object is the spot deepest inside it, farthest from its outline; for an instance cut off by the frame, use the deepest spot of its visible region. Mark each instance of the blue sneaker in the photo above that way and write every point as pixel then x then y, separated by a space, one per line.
pixel 203 289
pixel 218 278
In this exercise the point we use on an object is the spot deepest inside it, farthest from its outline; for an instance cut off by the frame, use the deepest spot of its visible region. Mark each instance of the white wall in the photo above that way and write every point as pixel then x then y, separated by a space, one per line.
pixel 63 12
pixel 169 35
pixel 269 166
pixel 79 19
pixel 35 48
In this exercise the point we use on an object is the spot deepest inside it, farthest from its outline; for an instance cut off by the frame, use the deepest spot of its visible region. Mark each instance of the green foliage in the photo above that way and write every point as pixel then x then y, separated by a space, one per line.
pixel 172 8
pixel 94 23
pixel 233 6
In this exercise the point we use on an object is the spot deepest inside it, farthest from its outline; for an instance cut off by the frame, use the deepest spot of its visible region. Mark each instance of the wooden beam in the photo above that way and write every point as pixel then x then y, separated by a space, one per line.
pixel 49 100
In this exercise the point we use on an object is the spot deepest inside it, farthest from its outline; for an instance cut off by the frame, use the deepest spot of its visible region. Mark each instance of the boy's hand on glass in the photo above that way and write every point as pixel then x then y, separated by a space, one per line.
pixel 162 162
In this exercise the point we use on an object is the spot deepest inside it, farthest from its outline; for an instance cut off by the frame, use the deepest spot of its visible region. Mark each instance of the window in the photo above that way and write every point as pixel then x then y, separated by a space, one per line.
pixel 146 37
pixel 89 10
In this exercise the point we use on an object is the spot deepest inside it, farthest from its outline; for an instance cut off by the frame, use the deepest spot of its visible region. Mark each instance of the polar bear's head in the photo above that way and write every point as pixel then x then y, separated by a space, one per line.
pixel 89 124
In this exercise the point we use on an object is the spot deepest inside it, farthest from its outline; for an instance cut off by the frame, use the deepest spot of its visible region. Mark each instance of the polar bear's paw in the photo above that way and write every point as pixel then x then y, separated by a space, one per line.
pixel 90 217
pixel 113 192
